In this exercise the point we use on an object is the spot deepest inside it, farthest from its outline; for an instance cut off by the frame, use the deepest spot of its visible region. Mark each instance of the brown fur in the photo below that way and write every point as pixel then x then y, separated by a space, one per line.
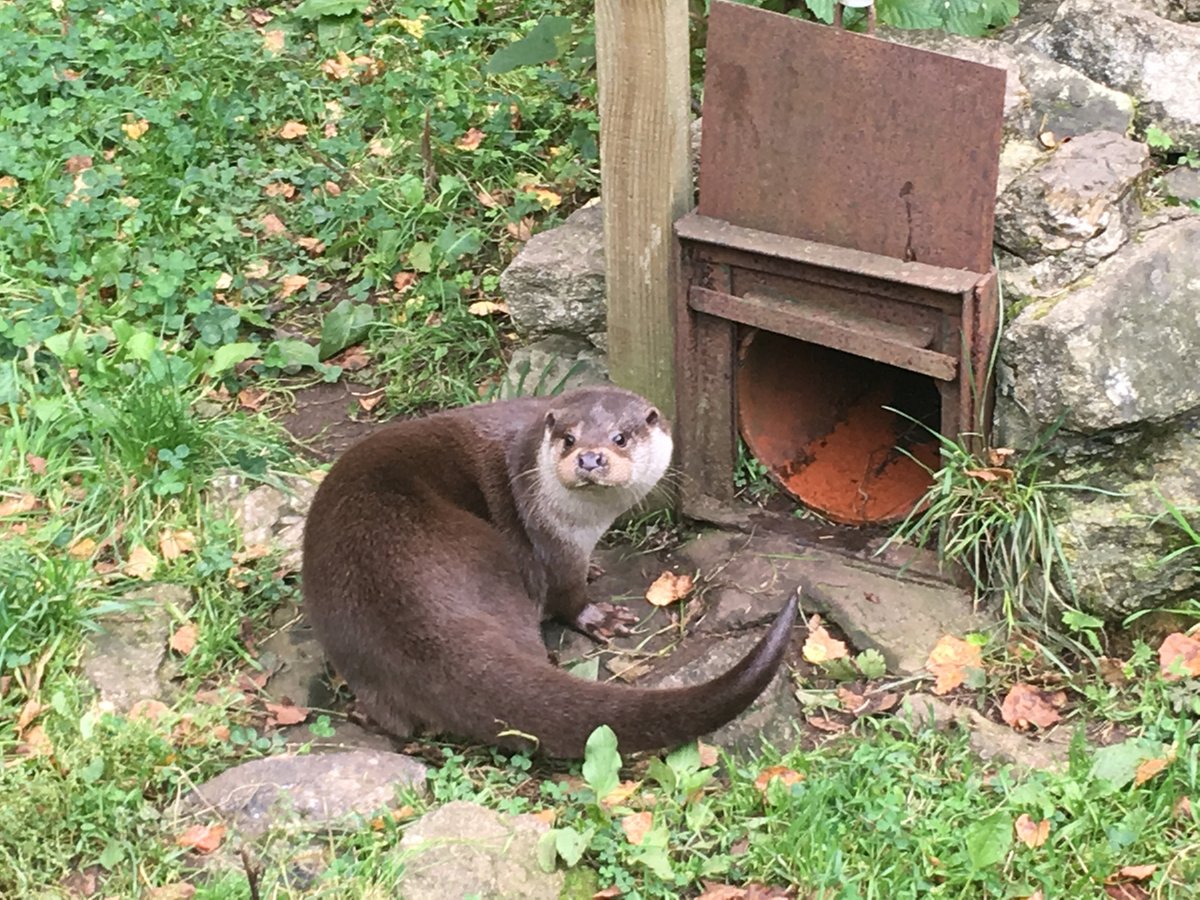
pixel 435 548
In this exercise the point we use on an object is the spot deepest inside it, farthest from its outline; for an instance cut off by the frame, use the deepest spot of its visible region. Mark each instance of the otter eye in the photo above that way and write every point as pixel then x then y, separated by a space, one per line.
pixel 619 439
pixel 568 441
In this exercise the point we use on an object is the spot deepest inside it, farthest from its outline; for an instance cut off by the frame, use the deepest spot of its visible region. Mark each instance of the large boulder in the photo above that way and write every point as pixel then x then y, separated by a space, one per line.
pixel 1132 49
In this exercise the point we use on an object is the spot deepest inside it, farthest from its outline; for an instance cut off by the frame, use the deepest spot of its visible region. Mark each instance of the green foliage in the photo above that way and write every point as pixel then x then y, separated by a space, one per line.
pixel 967 17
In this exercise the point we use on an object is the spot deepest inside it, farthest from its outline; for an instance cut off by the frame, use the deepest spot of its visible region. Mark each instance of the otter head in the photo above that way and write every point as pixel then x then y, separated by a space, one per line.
pixel 606 438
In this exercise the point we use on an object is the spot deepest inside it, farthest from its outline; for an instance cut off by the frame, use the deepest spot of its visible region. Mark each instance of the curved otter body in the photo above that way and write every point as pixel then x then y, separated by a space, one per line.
pixel 435 548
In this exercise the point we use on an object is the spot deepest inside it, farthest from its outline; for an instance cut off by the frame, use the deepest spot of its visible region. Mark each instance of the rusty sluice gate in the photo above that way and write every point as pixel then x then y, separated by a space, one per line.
pixel 839 262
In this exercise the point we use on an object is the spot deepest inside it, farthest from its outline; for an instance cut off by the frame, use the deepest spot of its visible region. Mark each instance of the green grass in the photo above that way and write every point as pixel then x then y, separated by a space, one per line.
pixel 145 280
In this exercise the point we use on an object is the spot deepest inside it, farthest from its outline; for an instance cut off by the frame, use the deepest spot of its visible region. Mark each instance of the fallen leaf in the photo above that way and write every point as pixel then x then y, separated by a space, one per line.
pixel 668 588
pixel 1112 671
pixel 989 475
pixel 522 230
pixel 487 308
pixel 999 456
pixel 251 552
pixel 332 188
pixel 312 245
pixel 829 726
pixel 1136 873
pixel 337 68
pixel 221 732
pixel 1126 891
pixel 351 359
pixel 224 282
pixel 369 401
pixel 272 225
pixel 36 743
pixel 1182 808
pixel 489 200
pixel 8 189
pixel 180 890
pixel 273 40
pixel 620 793
pixel 636 825
pixel 709 755
pixel 141 563
pixel 22 503
pixel 81 548
pixel 1179 657
pixel 135 130
pixel 285 714
pixel 1030 833
pixel 820 646
pixel 609 893
pixel 949 660
pixel 545 815
pixel 722 892
pixel 148 709
pixel 402 281
pixel 379 148
pixel 183 640
pixel 547 198
pixel 280 189
pixel 251 398
pixel 289 284
pixel 259 16
pixel 292 129
pixel 415 27
pixel 30 711
pixel 471 140
pixel 257 269
pixel 77 164
pixel 1025 706
pixel 1148 768
pixel 172 544
pixel 850 701
pixel 783 773
pixel 202 838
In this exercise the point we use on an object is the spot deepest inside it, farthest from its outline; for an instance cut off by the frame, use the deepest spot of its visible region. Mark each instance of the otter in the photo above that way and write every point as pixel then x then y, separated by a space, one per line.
pixel 436 547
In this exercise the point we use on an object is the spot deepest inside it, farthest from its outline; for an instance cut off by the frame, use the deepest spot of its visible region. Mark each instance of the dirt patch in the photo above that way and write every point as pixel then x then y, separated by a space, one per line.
pixel 328 418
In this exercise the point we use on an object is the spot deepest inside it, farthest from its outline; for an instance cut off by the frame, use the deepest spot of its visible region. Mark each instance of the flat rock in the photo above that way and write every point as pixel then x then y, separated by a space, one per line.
pixel 990 740
pixel 463 850
pixel 123 661
pixel 555 285
pixel 269 515
pixel 296 661
pixel 773 717
pixel 1183 184
pixel 306 793
pixel 1131 49
pixel 552 364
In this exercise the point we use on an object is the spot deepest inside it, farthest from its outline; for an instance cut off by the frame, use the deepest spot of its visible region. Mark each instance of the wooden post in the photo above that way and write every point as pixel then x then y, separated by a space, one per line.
pixel 645 183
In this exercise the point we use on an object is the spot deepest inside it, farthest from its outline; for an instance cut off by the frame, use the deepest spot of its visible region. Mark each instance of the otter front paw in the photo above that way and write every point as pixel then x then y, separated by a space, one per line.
pixel 600 621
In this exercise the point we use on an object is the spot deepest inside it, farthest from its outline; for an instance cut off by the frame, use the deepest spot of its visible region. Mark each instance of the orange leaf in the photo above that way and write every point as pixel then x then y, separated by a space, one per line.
pixel 135 130
pixel 312 245
pixel 783 773
pixel 522 230
pixel 487 308
pixel 173 544
pixel 292 129
pixel 202 838
pixel 949 660
pixel 338 69
pixel 289 284
pixel 36 743
pixel 488 199
pixel 722 892
pixel 23 502
pixel 636 825
pixel 402 281
pixel 251 398
pixel 183 641
pixel 620 793
pixel 272 225
pixel 1025 706
pixel 37 464
pixel 149 709
pixel 1179 656
pixel 179 890
pixel 81 548
pixel 141 563
pixel 1030 833
pixel 280 189
pixel 30 711
pixel 820 646
pixel 709 755
pixel 545 815
pixel 995 473
pixel 1148 768
pixel 285 714
pixel 668 588
pixel 257 269
pixel 471 140
pixel 77 164
pixel 547 198
pixel 1138 873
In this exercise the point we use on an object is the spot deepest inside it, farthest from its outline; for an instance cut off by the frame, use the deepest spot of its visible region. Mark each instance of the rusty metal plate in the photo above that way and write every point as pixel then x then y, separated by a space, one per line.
pixel 846 139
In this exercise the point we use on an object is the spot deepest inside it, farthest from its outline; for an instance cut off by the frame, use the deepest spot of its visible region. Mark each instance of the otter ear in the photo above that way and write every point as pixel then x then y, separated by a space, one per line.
pixel 652 416
pixel 549 420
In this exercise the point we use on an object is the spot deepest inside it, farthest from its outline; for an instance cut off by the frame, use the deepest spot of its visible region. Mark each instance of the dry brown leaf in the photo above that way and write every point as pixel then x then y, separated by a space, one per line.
pixel 1025 706
pixel 22 503
pixel 312 245
pixel 251 398
pixel 81 548
pixel 620 793
pixel 173 543
pixel 37 464
pixel 1138 873
pixel 1030 833
pixel 1148 768
pixel 30 711
pixel 709 755
pixel 1112 671
pixel 1179 653
pixel 251 552
pixel 224 282
pixel 522 230
pixel 488 308
pixel 257 269
pixel 1126 891
pixel 609 893
pixel 999 456
pixel 402 281
pixel 183 640
pixel 820 646
pixel 140 564
pixel 292 129
pixel 351 359
pixel 829 726
pixel 546 197
pixel 280 189
pixel 286 714
pixel 1182 808
pixel 272 225
pixel 722 892
pixel 36 743
pixel 338 68
pixel 135 129
pixel 949 660
pixel 783 773
pixel 379 148
pixel 989 475
pixel 850 701
pixel 471 140
pixel 273 40
pixel 148 709
pixel 76 164
pixel 668 588
pixel 259 16
pixel 636 825
pixel 489 200
pixel 332 188
pixel 545 815
pixel 289 284
pixel 369 401
pixel 180 890
pixel 202 838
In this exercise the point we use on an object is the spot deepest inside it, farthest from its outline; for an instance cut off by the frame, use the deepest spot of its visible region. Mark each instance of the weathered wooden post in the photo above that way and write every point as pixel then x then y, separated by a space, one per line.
pixel 642 68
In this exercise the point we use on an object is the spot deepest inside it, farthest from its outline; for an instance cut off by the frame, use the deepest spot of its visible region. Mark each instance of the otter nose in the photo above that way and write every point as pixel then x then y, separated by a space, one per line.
pixel 590 460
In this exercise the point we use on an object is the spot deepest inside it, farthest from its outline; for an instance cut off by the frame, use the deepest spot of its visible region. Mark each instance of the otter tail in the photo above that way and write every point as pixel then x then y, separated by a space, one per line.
pixel 513 700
